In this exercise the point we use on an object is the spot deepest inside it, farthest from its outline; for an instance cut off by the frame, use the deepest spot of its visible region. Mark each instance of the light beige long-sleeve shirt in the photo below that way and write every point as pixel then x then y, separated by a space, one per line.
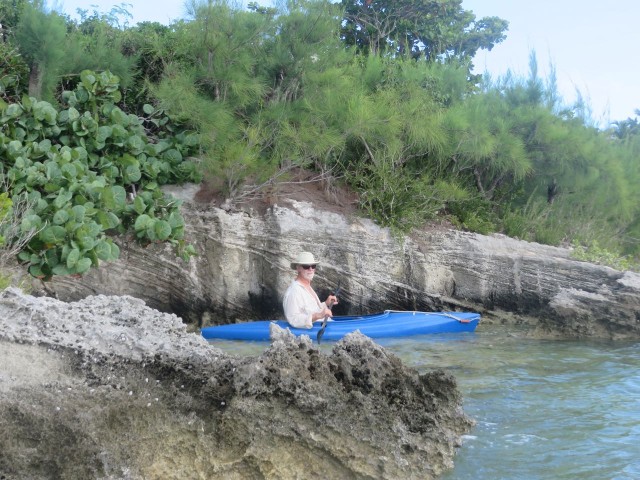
pixel 299 305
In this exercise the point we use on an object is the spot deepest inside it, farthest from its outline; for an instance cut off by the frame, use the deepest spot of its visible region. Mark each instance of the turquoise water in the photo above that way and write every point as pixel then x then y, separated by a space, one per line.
pixel 545 409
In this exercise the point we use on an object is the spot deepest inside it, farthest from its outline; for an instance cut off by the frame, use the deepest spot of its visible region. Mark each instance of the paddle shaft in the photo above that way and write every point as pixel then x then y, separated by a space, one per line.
pixel 326 319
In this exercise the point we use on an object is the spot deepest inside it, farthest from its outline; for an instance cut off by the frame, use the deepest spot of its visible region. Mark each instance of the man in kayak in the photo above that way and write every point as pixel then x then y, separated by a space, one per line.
pixel 301 304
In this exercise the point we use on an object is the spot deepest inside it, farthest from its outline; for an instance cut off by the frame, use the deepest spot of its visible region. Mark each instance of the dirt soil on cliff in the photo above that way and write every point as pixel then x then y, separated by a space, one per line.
pixel 324 192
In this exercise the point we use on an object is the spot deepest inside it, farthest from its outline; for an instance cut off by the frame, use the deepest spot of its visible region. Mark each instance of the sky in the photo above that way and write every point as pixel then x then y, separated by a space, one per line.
pixel 592 44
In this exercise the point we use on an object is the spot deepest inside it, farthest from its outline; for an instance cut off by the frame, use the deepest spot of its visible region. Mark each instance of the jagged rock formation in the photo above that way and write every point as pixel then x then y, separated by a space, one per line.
pixel 108 388
pixel 242 269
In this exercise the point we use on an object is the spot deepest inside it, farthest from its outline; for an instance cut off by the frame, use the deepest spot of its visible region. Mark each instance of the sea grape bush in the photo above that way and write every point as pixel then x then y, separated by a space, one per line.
pixel 91 169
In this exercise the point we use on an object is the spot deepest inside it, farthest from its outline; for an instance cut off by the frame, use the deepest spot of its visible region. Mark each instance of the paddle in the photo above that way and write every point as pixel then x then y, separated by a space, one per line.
pixel 326 319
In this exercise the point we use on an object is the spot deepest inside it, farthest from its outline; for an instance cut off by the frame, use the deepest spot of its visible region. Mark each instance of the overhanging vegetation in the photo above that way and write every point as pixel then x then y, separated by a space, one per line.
pixel 375 95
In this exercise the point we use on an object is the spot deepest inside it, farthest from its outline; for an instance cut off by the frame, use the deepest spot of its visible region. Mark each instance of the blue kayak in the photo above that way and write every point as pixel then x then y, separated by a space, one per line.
pixel 376 325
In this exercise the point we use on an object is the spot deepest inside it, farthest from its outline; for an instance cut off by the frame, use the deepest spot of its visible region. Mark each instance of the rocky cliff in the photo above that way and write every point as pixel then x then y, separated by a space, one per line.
pixel 242 269
pixel 107 388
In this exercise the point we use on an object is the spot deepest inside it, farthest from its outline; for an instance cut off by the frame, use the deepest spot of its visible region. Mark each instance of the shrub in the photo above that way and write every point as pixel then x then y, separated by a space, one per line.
pixel 593 253
pixel 88 170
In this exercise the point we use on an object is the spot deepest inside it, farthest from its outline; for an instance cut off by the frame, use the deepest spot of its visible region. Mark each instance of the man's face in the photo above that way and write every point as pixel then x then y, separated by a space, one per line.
pixel 307 271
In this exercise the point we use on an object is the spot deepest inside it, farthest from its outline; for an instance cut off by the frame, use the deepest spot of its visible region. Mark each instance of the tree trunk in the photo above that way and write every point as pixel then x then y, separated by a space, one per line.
pixel 35 81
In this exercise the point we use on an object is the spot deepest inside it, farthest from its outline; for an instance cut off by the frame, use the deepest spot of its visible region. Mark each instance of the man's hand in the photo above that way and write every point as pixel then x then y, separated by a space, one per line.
pixel 319 316
pixel 331 301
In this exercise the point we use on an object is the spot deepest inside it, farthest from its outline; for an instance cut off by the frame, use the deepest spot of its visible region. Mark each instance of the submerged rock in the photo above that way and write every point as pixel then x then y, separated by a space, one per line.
pixel 109 388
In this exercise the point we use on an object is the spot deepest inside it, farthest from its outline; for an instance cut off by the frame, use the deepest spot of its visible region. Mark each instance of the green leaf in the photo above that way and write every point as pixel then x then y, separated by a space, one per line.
pixel 98 184
pixel 53 171
pixel 120 119
pixel 115 251
pixel 92 229
pixel 87 242
pixel 62 199
pixel 75 162
pixel 79 211
pixel 52 257
pixel 81 95
pixel 132 174
pixel 70 171
pixel 177 233
pixel 50 187
pixel 72 258
pixel 44 146
pixel 21 163
pixel 61 269
pixel 40 205
pixel 191 140
pixel 14 148
pixel 175 220
pixel 80 154
pixel 69 115
pixel 76 126
pixel 14 110
pixel 71 226
pixel 103 250
pixel 65 155
pixel 30 223
pixel 152 168
pixel 135 144
pixel 83 265
pixel 88 79
pixel 36 271
pixel 149 233
pixel 103 133
pixel 162 229
pixel 173 156
pixel 61 217
pixel 45 112
pixel 53 235
pixel 107 220
pixel 114 198
pixel 95 261
pixel 128 159
pixel 143 222
pixel 139 205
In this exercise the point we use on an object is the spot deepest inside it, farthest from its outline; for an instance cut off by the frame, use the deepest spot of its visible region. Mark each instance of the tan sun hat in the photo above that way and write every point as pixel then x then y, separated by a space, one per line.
pixel 304 258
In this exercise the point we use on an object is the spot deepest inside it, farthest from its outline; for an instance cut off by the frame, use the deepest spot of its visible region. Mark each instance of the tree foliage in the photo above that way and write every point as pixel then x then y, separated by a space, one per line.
pixel 376 94
pixel 626 129
pixel 430 29
pixel 41 37
pixel 96 42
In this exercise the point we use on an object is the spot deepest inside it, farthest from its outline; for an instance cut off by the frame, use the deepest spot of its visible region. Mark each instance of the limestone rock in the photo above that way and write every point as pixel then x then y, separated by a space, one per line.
pixel 242 270
pixel 108 388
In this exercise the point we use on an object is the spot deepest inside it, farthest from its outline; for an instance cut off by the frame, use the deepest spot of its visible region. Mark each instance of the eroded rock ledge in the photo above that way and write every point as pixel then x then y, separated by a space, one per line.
pixel 107 387
pixel 242 269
